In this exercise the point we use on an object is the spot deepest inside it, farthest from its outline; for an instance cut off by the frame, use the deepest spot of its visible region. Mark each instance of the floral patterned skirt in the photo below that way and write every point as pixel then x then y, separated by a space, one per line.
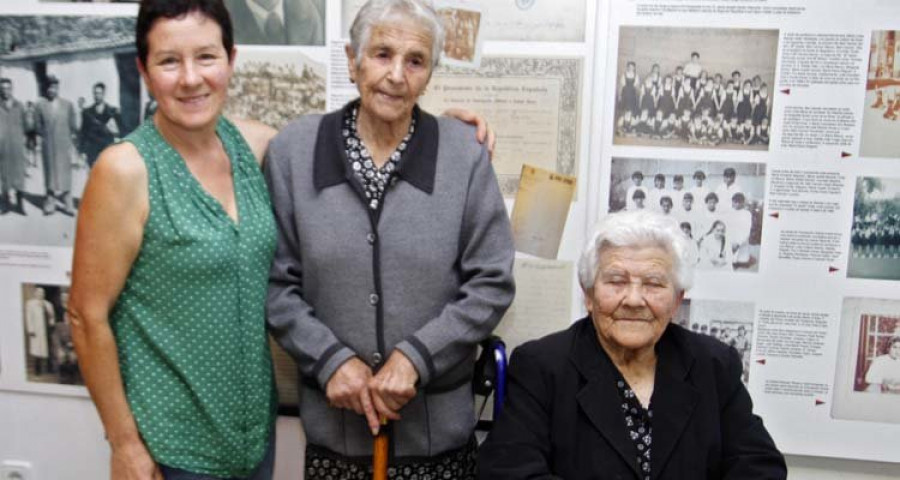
pixel 457 464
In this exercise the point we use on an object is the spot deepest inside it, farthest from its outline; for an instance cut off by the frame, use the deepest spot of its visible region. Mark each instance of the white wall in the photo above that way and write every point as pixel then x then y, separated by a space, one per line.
pixel 62 439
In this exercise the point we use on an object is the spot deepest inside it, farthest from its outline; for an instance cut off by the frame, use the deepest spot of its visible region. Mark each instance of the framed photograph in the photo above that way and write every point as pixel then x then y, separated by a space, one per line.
pixel 695 87
pixel 718 205
pixel 278 22
pixel 462 34
pixel 875 232
pixel 72 88
pixel 882 101
pixel 867 374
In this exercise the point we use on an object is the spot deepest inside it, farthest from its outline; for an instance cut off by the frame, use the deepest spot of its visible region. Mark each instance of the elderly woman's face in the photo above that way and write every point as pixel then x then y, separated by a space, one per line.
pixel 634 297
pixel 394 69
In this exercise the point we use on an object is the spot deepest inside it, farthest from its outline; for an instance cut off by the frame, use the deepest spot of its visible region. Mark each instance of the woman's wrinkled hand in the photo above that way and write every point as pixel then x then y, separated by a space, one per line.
pixel 394 385
pixel 349 388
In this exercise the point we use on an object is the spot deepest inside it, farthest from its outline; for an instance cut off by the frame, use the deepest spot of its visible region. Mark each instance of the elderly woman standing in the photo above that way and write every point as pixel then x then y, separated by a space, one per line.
pixel 394 259
pixel 624 393
pixel 174 244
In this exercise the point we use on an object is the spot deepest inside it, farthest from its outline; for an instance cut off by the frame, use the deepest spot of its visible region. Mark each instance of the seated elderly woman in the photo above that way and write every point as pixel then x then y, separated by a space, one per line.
pixel 624 393
pixel 394 259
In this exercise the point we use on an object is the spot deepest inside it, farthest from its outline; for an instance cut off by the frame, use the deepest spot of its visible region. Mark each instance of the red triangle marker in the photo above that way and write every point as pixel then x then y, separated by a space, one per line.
pixel 846 154
pixel 761 361
pixel 786 91
pixel 774 214
pixel 832 269
pixel 819 402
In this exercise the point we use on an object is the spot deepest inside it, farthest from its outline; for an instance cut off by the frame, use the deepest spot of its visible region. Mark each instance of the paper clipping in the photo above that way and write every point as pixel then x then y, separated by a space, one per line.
pixel 340 89
pixel 540 212
pixel 542 304
pixel 520 97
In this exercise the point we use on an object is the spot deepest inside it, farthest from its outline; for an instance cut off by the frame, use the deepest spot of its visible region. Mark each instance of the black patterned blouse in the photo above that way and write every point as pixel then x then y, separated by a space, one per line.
pixel 373 180
pixel 637 423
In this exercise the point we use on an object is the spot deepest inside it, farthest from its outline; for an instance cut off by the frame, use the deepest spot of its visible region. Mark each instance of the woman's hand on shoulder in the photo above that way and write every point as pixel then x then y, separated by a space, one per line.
pixel 483 133
pixel 257 135
pixel 132 461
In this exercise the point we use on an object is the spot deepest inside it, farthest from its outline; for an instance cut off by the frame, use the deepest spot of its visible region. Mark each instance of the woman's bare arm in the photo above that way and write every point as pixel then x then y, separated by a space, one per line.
pixel 110 228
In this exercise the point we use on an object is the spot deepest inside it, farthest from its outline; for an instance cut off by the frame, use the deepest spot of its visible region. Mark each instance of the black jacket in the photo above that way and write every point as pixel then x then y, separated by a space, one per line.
pixel 562 417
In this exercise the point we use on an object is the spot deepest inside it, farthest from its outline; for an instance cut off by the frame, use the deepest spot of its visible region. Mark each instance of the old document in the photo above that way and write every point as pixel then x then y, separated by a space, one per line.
pixel 532 103
pixel 340 89
pixel 543 301
pixel 541 208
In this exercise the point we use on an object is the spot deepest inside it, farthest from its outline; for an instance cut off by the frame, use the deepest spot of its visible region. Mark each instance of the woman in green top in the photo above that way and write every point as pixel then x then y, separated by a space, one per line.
pixel 174 240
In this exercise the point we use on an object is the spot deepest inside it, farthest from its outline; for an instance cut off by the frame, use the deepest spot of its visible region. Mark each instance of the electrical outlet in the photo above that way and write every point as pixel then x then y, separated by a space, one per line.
pixel 15 470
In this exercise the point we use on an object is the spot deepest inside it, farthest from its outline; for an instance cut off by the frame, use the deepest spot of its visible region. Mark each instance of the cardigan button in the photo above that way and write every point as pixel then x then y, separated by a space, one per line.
pixel 376 358
pixel 373 299
pixel 371 237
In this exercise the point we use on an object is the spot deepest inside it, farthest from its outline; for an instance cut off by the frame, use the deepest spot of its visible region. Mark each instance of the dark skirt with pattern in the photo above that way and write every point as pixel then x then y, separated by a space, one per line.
pixel 459 464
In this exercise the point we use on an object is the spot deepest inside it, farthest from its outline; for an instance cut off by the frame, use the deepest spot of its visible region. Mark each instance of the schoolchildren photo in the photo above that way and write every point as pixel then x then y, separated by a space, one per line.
pixel 875 231
pixel 693 87
pixel 719 206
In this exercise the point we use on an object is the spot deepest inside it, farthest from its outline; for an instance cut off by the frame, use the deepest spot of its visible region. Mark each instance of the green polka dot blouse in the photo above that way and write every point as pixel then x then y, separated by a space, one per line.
pixel 190 321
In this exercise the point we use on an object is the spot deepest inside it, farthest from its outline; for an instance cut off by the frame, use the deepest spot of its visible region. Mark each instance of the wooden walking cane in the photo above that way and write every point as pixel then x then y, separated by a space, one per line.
pixel 380 453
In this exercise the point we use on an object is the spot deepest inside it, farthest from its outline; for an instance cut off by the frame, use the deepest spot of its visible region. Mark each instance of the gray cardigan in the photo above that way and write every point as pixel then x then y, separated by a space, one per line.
pixel 431 275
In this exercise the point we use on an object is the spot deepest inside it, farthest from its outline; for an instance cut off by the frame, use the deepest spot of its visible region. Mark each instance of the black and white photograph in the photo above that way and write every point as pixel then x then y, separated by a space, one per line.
pixel 462 32
pixel 875 233
pixel 69 87
pixel 695 87
pixel 49 351
pixel 275 87
pixel 882 102
pixel 878 355
pixel 278 22
pixel 729 322
pixel 867 378
pixel 718 205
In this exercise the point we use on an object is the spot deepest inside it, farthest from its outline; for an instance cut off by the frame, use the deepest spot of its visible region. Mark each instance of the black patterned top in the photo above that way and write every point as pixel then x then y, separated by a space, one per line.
pixel 637 423
pixel 373 180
